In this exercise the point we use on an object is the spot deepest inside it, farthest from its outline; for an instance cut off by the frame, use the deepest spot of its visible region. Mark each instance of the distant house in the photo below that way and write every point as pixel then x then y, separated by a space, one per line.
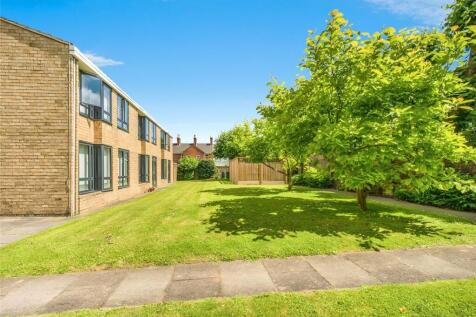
pixel 201 151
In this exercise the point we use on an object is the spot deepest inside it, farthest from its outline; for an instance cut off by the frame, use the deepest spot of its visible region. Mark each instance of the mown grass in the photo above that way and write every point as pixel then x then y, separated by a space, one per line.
pixel 209 221
pixel 445 298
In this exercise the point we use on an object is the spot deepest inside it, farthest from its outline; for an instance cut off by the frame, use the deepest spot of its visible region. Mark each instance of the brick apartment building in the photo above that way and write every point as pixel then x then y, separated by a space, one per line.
pixel 202 151
pixel 71 140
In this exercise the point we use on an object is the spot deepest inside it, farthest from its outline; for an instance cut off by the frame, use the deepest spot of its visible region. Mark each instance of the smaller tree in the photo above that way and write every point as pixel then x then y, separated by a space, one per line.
pixel 205 169
pixel 233 143
pixel 187 167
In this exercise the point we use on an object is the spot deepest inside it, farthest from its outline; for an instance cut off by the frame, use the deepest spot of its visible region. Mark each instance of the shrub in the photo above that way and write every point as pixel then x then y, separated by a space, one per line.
pixel 206 169
pixel 186 167
pixel 316 178
pixel 453 198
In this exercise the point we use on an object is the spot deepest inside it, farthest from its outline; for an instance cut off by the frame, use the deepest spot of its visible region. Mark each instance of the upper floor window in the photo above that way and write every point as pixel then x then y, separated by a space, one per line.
pixel 164 140
pixel 90 95
pixel 122 113
pixel 106 103
pixel 95 98
pixel 154 133
pixel 143 128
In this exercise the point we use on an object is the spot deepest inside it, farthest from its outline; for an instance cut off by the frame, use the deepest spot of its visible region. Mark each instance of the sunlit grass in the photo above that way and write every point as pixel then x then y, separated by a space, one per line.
pixel 211 221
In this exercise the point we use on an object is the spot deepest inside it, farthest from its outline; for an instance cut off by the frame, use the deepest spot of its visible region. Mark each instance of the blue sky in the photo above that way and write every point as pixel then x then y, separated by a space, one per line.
pixel 201 66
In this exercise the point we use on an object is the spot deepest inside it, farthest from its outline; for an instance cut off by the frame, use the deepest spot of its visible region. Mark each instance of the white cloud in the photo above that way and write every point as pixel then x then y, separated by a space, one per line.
pixel 428 12
pixel 102 61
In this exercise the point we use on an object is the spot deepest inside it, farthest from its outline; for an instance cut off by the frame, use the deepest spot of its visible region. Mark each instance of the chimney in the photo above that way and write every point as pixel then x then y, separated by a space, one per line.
pixel 178 139
pixel 211 141
pixel 194 139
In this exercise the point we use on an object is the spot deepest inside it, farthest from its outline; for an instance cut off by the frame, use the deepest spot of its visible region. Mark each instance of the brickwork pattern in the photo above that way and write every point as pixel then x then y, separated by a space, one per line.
pixel 34 134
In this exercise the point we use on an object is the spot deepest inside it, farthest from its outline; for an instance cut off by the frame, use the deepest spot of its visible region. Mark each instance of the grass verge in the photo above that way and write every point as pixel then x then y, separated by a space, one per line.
pixel 212 221
pixel 444 298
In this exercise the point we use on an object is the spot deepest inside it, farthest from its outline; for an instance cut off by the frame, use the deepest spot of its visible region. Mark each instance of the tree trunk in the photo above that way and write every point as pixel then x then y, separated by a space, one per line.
pixel 289 179
pixel 362 199
pixel 302 168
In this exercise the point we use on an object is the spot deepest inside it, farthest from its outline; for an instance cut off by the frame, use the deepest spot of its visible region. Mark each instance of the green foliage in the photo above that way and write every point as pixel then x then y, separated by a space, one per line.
pixel 205 169
pixel 451 198
pixel 315 178
pixel 379 108
pixel 233 143
pixel 382 102
pixel 186 167
pixel 462 19
pixel 462 14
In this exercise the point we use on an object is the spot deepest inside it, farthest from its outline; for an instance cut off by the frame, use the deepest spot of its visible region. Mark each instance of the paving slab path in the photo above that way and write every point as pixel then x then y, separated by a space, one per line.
pixel 125 287
pixel 468 215
pixel 17 228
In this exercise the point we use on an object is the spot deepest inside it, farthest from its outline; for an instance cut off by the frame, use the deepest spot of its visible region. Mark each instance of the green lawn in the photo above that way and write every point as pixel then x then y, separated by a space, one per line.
pixel 448 298
pixel 210 221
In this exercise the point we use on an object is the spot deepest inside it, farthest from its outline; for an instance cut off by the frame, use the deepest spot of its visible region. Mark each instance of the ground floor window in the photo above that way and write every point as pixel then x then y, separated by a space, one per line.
pixel 95 161
pixel 106 167
pixel 123 168
pixel 143 168
pixel 169 168
pixel 163 169
pixel 86 168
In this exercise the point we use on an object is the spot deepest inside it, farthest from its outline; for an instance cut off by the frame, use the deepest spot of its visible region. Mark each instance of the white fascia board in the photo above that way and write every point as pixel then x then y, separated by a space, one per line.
pixel 96 70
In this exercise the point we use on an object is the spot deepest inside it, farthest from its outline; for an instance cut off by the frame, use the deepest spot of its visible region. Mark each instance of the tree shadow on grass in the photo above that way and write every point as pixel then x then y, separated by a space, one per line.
pixel 269 218
pixel 245 191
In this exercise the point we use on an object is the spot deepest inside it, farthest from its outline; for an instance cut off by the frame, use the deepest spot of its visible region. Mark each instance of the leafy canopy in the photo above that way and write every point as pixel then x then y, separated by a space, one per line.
pixel 233 143
pixel 462 18
pixel 381 104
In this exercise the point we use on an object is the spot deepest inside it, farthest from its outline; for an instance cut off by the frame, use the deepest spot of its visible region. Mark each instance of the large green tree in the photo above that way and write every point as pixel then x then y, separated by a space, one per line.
pixel 462 18
pixel 381 104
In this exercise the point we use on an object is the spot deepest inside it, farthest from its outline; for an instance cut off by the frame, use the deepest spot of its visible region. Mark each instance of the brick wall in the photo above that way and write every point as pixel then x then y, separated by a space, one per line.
pixel 99 132
pixel 34 134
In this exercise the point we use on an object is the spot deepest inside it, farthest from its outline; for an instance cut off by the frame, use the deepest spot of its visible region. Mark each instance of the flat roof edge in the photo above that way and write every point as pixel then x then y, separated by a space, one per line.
pixel 76 52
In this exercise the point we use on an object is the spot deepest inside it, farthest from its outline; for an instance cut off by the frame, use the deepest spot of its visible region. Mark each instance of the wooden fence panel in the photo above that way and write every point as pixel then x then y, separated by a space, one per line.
pixel 243 172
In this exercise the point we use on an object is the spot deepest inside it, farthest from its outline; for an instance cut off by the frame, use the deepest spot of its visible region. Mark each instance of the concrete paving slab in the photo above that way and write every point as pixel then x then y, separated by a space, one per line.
pixel 386 267
pixel 90 290
pixel 340 272
pixel 244 278
pixel 294 274
pixel 431 265
pixel 193 289
pixel 462 256
pixel 31 295
pixel 16 228
pixel 8 284
pixel 196 271
pixel 140 287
